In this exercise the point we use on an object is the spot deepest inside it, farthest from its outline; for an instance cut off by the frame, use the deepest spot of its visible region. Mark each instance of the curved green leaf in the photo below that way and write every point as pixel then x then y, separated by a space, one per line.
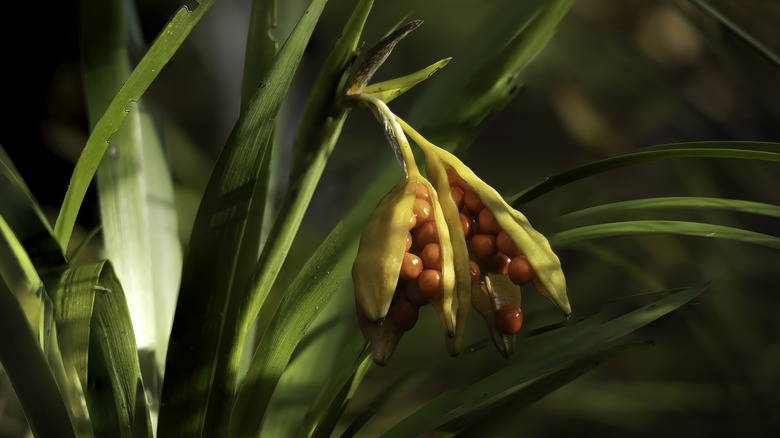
pixel 25 363
pixel 697 229
pixel 320 278
pixel 711 149
pixel 682 202
pixel 557 349
pixel 97 333
pixel 208 332
pixel 752 41
pixel 23 215
pixel 485 421
pixel 135 189
pixel 388 90
pixel 161 51
pixel 452 120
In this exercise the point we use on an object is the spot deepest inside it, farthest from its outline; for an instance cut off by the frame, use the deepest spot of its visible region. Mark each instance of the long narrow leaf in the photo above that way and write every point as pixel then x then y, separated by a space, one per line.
pixel 23 215
pixel 568 344
pixel 320 278
pixel 261 47
pixel 711 149
pixel 135 189
pixel 29 372
pixel 488 420
pixel 206 340
pixel 698 229
pixel 113 388
pixel 458 117
pixel 752 41
pixel 161 51
pixel 651 204
pixel 318 131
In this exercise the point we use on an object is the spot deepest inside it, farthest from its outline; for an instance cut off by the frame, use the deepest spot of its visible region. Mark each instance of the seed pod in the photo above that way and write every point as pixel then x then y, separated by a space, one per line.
pixel 381 251
pixel 495 292
pixel 456 275
pixel 382 338
pixel 549 280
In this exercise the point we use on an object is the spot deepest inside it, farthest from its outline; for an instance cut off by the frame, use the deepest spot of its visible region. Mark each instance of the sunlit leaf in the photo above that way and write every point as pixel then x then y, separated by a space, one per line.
pixel 208 333
pixel 135 190
pixel 161 51
pixel 113 388
pixel 388 90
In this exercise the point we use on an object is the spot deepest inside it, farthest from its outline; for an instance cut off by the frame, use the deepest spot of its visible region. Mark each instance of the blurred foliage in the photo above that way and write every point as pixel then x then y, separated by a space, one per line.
pixel 618 76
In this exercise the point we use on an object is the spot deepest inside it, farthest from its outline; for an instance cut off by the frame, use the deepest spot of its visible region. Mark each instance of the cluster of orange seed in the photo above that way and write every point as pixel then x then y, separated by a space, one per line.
pixel 492 247
pixel 492 250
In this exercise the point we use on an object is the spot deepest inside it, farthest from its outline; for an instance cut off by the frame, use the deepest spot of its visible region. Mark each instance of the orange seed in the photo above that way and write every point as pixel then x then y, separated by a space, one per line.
pixel 509 319
pixel 411 267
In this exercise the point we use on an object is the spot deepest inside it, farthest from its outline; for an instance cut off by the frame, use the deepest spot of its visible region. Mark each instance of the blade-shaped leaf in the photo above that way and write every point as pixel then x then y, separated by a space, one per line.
pixel 135 189
pixel 388 90
pixel 320 126
pixel 454 119
pixel 25 363
pixel 261 47
pixel 161 51
pixel 711 149
pixel 320 278
pixel 568 344
pixel 698 229
pixel 23 215
pixel 682 202
pixel 113 388
pixel 207 336
pixel 738 30
pixel 488 420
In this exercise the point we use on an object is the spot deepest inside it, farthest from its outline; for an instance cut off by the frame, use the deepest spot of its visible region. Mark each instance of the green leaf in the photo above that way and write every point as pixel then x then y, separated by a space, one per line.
pixel 261 47
pixel 612 229
pixel 388 90
pixel 208 334
pixel 452 120
pixel 338 404
pixel 161 51
pixel 23 282
pixel 487 420
pixel 752 41
pixel 320 278
pixel 538 357
pixel 113 388
pixel 320 126
pixel 23 215
pixel 25 363
pixel 326 354
pixel 135 189
pixel 683 202
pixel 711 149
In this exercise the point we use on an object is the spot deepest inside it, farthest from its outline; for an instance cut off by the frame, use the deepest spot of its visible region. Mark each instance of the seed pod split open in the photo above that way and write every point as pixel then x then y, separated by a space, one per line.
pixel 550 280
pixel 489 296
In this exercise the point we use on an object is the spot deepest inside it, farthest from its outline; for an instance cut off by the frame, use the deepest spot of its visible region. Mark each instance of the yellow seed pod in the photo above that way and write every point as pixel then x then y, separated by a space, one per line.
pixel 381 251
pixel 550 280
pixel 455 240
